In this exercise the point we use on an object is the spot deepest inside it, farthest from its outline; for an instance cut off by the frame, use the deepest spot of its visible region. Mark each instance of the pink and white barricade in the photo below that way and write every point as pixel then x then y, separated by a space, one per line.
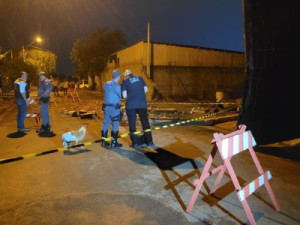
pixel 228 146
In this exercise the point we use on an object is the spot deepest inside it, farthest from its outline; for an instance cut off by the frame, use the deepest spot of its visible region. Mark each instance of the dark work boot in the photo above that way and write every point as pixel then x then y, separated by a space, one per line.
pixel 134 139
pixel 47 128
pixel 114 142
pixel 42 130
pixel 105 144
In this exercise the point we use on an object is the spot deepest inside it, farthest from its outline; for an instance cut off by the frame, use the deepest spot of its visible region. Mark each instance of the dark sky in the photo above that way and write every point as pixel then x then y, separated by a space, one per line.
pixel 207 23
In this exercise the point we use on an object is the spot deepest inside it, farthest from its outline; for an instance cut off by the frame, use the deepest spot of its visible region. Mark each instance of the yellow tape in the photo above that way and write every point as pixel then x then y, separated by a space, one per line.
pixel 125 135
pixel 62 149
pixel 88 143
pixel 29 156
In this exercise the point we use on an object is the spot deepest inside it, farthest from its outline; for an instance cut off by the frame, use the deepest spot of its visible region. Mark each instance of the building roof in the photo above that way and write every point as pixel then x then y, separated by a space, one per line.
pixel 37 48
pixel 181 45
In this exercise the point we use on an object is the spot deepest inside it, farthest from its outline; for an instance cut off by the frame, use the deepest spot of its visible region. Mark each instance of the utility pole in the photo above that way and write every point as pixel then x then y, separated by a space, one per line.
pixel 148 51
pixel 23 53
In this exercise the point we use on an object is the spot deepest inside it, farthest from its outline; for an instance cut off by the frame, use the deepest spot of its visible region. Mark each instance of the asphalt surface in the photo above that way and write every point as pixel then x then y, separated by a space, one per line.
pixel 124 186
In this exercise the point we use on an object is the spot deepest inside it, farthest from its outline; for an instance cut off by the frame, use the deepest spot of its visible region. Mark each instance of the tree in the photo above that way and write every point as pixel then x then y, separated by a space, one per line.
pixel 91 53
pixel 12 68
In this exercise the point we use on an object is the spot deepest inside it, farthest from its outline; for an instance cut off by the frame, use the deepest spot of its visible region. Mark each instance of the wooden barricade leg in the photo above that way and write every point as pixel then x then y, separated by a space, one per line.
pixel 272 196
pixel 37 120
pixel 200 181
pixel 267 184
pixel 218 180
pixel 248 212
pixel 237 188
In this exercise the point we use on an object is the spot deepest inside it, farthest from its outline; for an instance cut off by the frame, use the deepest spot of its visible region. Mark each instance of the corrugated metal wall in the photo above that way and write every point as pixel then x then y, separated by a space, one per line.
pixel 178 68
pixel 185 56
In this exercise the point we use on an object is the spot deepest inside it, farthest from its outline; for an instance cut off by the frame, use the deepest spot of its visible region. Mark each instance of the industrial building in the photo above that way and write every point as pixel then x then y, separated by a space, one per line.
pixel 179 71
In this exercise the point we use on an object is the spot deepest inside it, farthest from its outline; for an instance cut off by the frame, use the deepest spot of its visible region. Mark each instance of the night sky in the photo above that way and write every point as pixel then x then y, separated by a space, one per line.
pixel 207 23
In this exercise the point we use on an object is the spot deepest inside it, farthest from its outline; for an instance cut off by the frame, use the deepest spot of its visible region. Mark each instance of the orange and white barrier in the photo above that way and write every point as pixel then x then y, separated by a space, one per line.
pixel 31 115
pixel 228 146
pixel 254 185
pixel 36 116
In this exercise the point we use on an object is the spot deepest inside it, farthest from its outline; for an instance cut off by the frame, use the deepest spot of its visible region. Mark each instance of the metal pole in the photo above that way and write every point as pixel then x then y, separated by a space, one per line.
pixel 148 51
pixel 23 53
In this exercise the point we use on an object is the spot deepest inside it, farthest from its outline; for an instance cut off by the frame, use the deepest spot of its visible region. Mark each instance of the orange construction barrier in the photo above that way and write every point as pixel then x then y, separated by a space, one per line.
pixel 72 92
pixel 228 146
pixel 34 114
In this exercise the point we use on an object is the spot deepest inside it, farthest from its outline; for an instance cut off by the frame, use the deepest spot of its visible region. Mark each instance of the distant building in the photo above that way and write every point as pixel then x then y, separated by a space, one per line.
pixel 181 71
pixel 43 59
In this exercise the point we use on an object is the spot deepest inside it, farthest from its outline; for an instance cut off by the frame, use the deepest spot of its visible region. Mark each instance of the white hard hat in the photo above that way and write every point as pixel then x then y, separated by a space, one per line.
pixel 42 74
pixel 127 73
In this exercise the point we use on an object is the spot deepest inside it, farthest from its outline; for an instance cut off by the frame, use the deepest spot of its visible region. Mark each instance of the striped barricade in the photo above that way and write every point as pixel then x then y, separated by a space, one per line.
pixel 36 116
pixel 228 146
pixel 253 186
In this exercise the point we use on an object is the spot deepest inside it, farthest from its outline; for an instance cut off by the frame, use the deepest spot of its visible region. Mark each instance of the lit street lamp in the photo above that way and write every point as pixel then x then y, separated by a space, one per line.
pixel 36 40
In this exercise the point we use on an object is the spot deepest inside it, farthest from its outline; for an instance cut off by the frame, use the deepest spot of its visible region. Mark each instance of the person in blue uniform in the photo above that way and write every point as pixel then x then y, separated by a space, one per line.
pixel 45 88
pixel 111 107
pixel 134 89
pixel 22 97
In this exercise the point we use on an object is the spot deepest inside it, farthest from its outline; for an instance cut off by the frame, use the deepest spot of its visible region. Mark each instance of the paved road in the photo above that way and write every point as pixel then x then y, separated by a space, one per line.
pixel 99 186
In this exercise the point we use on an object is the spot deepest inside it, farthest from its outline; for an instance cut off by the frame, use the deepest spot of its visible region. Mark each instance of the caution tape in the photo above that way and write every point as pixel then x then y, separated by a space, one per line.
pixel 184 122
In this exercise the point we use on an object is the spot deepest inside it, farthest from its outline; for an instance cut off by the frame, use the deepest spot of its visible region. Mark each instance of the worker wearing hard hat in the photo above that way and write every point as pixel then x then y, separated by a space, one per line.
pixel 134 89
pixel 111 108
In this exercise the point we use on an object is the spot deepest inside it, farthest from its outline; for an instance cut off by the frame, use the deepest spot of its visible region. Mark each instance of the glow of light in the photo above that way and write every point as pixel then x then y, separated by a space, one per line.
pixel 38 39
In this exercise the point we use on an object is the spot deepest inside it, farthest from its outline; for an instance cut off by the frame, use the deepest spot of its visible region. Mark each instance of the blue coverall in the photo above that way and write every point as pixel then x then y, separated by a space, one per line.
pixel 44 101
pixel 112 100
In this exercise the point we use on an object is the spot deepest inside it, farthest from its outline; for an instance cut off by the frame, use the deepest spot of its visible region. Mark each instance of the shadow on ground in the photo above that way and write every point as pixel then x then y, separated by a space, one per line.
pixel 76 151
pixel 47 134
pixel 16 135
pixel 171 159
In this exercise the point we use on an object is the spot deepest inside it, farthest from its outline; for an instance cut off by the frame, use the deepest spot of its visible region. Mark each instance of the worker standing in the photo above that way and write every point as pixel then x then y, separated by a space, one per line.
pixel 22 97
pixel 134 89
pixel 65 87
pixel 112 112
pixel 55 87
pixel 44 92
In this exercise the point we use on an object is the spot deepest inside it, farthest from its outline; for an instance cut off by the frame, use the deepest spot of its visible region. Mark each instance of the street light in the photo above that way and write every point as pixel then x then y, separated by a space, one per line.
pixel 36 40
